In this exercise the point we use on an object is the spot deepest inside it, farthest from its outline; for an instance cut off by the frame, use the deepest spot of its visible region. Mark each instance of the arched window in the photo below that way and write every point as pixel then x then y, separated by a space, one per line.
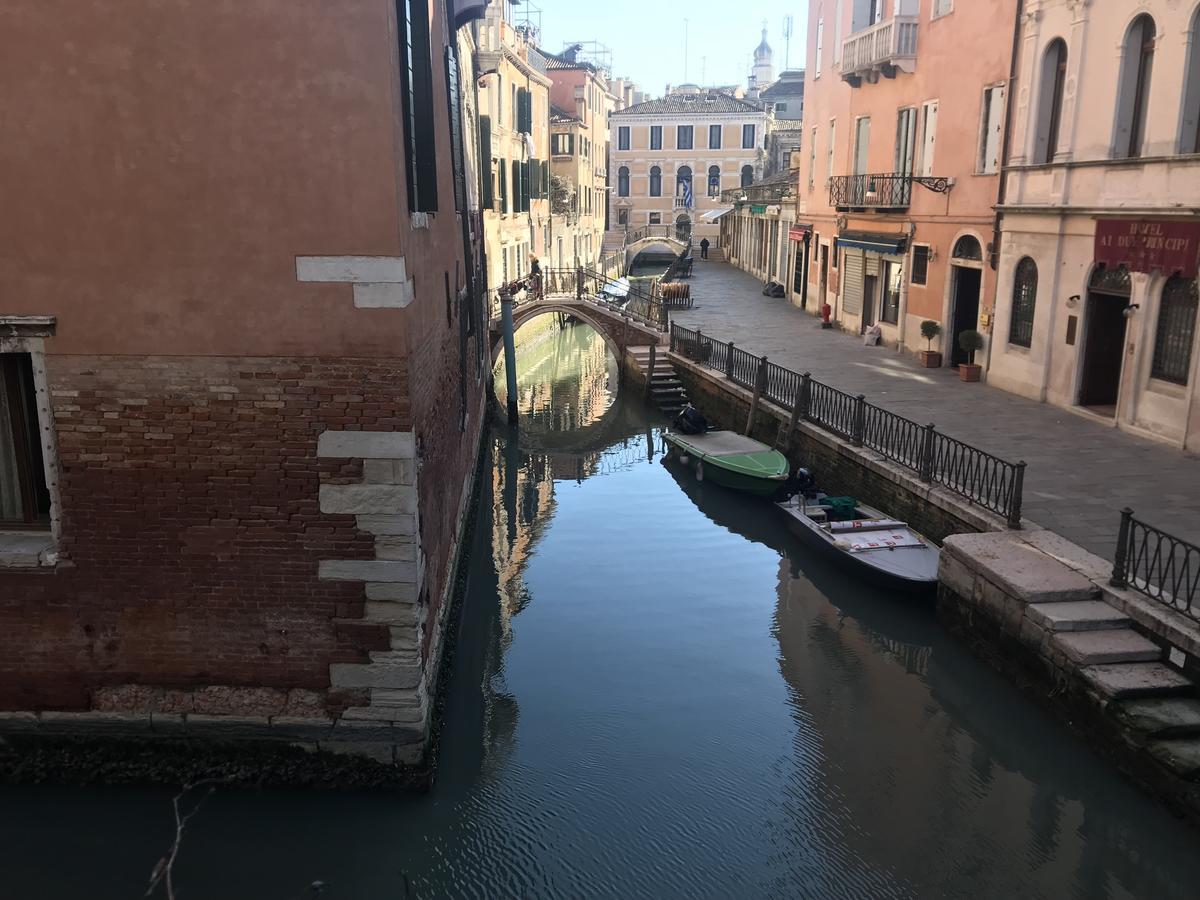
pixel 1050 101
pixel 1114 282
pixel 966 247
pixel 1189 126
pixel 1176 330
pixel 747 176
pixel 1133 88
pixel 655 181
pixel 683 180
pixel 623 181
pixel 1020 325
pixel 714 181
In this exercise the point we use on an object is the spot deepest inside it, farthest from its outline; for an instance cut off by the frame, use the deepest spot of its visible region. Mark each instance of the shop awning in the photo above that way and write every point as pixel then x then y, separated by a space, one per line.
pixel 713 214
pixel 799 231
pixel 876 242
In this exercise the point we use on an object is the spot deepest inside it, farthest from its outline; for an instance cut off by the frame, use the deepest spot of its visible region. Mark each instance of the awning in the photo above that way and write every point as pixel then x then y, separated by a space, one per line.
pixel 713 214
pixel 799 231
pixel 876 242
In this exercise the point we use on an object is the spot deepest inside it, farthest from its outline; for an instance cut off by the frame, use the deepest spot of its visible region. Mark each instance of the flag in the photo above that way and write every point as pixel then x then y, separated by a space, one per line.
pixel 687 194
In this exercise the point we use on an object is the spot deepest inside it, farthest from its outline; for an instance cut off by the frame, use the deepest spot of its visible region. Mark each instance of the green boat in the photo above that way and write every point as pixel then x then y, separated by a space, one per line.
pixel 731 460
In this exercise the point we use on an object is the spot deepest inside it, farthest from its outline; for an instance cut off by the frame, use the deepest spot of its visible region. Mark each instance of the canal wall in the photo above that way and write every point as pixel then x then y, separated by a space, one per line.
pixel 839 467
pixel 1118 668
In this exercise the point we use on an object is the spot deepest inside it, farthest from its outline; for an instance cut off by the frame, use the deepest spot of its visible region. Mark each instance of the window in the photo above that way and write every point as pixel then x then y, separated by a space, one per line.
pixel 906 139
pixel 416 74
pixel 929 112
pixel 683 137
pixel 967 247
pixel 622 219
pixel 515 182
pixel 714 181
pixel 623 181
pixel 655 181
pixel 820 47
pixel 1050 101
pixel 456 138
pixel 655 218
pixel 683 185
pixel 747 176
pixel 748 136
pixel 941 7
pixel 655 137
pixel 1189 131
pixel 920 264
pixel 504 207
pixel 1025 281
pixel 837 31
pixel 24 497
pixel 524 111
pixel 714 137
pixel 812 161
pixel 829 158
pixel 991 121
pixel 487 198
pixel 1176 330
pixel 890 312
pixel 623 137
pixel 1133 88
pixel 515 115
pixel 780 107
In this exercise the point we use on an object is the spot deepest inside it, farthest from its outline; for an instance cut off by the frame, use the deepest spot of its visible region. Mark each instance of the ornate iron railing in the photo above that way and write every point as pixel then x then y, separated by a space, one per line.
pixel 1161 566
pixel 881 190
pixel 983 479
pixel 770 192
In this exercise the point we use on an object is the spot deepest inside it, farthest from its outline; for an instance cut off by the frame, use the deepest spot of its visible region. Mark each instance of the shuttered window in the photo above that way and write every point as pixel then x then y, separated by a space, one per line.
pixel 486 188
pixel 852 287
pixel 456 144
pixel 416 75
pixel 504 207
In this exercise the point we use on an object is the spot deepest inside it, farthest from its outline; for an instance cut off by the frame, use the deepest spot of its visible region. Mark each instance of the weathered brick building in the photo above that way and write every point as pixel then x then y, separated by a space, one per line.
pixel 243 361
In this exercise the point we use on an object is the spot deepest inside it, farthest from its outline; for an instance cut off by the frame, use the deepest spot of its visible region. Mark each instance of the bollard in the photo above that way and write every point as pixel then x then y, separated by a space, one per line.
pixel 860 420
pixel 729 360
pixel 760 383
pixel 1014 506
pixel 510 353
pixel 925 469
pixel 1120 578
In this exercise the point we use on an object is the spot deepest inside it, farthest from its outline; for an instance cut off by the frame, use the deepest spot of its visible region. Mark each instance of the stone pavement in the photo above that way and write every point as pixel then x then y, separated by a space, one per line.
pixel 1081 472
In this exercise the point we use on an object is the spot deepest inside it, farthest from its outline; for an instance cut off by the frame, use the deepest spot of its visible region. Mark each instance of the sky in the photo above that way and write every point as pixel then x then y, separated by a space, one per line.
pixel 647 37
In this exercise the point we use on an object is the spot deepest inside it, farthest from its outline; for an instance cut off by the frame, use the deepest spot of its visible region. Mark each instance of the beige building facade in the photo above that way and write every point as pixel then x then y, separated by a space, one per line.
pixel 1097 297
pixel 692 140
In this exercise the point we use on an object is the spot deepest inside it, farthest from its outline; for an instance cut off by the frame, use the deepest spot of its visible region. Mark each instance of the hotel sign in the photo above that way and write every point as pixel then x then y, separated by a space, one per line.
pixel 1143 245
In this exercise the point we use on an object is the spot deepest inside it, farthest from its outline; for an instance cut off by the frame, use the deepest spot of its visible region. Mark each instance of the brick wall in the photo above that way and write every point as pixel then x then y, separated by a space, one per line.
pixel 191 536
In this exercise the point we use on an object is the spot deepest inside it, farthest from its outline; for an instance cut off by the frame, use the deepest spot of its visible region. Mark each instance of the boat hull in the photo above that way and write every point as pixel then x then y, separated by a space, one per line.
pixel 711 469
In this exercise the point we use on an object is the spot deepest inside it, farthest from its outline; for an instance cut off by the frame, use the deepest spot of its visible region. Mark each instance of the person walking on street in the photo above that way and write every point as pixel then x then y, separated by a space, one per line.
pixel 704 248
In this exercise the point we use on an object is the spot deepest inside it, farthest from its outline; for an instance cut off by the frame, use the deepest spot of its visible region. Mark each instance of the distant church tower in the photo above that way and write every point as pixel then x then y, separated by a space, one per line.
pixel 763 73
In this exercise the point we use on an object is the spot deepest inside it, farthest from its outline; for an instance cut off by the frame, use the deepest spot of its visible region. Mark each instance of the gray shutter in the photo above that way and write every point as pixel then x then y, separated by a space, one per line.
pixel 852 281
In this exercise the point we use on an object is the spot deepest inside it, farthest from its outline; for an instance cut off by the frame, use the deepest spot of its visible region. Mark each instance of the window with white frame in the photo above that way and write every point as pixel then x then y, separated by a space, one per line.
pixel 24 496
pixel 991 124
pixel 941 7
pixel 714 137
pixel 820 47
pixel 1052 83
pixel 1133 88
pixel 929 115
pixel 812 160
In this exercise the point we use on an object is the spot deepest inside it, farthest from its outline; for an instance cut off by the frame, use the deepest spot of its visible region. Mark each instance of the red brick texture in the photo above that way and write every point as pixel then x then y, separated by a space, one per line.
pixel 191 533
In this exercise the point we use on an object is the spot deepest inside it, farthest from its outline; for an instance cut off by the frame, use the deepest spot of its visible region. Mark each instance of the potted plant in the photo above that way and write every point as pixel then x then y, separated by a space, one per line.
pixel 970 341
pixel 930 358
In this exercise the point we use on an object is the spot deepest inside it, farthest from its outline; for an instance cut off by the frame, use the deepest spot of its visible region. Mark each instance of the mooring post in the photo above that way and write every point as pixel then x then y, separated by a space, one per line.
pixel 650 371
pixel 510 351
pixel 760 383
pixel 860 420
pixel 797 408
pixel 1120 577
pixel 1018 490
pixel 927 439
pixel 579 282
pixel 729 360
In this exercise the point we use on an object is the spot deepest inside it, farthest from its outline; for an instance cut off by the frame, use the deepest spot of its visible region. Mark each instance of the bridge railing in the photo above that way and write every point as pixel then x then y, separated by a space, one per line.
pixel 590 286
pixel 983 479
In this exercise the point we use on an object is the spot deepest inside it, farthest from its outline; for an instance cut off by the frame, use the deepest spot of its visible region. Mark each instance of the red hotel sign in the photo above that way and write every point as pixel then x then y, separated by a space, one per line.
pixel 1144 245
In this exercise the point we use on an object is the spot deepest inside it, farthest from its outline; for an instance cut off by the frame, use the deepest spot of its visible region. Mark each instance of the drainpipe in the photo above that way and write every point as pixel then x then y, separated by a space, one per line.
pixel 994 256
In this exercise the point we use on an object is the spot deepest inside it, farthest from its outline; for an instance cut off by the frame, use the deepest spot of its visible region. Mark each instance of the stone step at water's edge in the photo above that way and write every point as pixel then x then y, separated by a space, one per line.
pixel 1128 680
pixel 1163 717
pixel 1180 755
pixel 1077 615
pixel 1109 645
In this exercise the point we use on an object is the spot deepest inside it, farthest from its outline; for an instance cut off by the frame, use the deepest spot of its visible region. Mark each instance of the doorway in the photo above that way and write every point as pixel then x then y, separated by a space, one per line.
pixel 821 285
pixel 1103 352
pixel 870 291
pixel 966 309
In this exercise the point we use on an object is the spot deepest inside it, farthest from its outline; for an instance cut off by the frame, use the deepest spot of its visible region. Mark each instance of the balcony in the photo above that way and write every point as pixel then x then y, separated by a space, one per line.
pixel 882 49
pixel 890 191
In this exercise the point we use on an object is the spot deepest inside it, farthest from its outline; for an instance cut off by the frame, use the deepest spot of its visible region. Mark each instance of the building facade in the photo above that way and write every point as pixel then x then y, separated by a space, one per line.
pixel 672 157
pixel 785 102
pixel 240 392
pixel 901 208
pixel 1096 298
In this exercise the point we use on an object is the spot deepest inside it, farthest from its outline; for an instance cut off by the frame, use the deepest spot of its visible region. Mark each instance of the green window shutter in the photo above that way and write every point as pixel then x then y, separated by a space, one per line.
pixel 485 162
pixel 503 186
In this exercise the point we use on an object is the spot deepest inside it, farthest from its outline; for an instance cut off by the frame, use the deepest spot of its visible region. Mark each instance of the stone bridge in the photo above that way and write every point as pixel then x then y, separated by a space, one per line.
pixel 669 248
pixel 619 330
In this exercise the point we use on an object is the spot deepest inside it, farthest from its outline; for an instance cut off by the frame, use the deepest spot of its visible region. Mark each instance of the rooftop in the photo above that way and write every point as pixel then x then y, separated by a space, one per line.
pixel 697 104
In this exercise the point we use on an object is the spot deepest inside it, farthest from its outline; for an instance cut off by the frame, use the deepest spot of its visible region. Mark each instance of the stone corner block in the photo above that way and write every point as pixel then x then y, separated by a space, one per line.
pixel 352 269
pixel 387 571
pixel 384 295
pixel 368 499
pixel 367 445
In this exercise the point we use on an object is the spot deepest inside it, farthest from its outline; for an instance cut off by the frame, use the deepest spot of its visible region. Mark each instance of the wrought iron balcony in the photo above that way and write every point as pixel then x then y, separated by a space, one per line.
pixel 887 191
pixel 882 49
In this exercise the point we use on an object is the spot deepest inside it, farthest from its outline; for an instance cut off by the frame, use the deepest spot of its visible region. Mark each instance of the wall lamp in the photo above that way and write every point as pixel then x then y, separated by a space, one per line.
pixel 1073 301
pixel 1128 311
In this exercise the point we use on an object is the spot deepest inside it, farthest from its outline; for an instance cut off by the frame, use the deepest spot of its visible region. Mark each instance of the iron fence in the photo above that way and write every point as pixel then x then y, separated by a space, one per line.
pixel 1161 566
pixel 983 479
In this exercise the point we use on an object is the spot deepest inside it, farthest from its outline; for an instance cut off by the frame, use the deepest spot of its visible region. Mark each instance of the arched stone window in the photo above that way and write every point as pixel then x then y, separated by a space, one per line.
pixel 714 181
pixel 966 247
pixel 623 181
pixel 655 181
pixel 747 176
pixel 683 227
pixel 1176 330
pixel 683 177
pixel 1133 88
pixel 1189 125
pixel 1025 282
pixel 1050 101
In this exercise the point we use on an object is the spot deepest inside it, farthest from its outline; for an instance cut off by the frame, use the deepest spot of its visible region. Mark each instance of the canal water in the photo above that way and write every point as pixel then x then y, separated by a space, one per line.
pixel 656 693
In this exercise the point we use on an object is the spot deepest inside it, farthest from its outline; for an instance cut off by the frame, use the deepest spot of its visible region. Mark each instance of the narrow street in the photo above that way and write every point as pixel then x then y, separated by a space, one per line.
pixel 1081 473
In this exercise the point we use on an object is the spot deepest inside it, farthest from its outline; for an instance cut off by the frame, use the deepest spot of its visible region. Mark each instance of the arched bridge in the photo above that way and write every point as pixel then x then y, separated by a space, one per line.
pixel 668 247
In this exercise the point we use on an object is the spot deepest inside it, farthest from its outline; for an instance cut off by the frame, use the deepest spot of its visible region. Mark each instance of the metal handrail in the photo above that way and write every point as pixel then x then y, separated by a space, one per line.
pixel 983 479
pixel 1157 564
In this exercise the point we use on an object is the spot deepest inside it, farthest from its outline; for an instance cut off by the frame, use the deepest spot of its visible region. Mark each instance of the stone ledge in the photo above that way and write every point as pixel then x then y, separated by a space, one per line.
pixel 364 499
pixel 1020 570
pixel 374 570
pixel 352 269
pixel 27 550
pixel 391 445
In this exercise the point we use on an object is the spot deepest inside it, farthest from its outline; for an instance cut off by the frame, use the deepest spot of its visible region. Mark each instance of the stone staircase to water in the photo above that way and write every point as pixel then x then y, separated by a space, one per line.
pixel 666 389
pixel 612 242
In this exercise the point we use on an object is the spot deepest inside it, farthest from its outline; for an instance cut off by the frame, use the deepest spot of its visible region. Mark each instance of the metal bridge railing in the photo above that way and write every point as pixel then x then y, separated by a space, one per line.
pixel 983 479
pixel 1161 566
pixel 585 285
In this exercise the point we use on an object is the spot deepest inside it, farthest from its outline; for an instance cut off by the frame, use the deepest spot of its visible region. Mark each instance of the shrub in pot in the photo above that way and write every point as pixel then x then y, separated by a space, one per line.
pixel 970 341
pixel 930 358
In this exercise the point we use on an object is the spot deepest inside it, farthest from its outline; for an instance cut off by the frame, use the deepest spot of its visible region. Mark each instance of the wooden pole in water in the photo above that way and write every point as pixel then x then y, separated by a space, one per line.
pixel 650 371
pixel 760 383
pixel 510 352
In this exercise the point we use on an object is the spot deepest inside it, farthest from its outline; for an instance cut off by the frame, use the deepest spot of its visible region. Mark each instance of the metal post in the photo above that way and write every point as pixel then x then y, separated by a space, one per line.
pixel 860 420
pixel 797 408
pixel 578 282
pixel 729 360
pixel 925 464
pixel 650 371
pixel 1120 578
pixel 805 395
pixel 1014 506
pixel 760 382
pixel 699 346
pixel 510 352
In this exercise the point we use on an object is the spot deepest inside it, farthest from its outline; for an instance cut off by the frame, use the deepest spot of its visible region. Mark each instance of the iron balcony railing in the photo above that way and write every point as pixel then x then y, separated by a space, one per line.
pixel 881 48
pixel 981 478
pixel 773 192
pixel 892 190
pixel 1161 566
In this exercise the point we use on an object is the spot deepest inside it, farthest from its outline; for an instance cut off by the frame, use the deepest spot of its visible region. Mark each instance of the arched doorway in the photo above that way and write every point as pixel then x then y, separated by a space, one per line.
pixel 1103 351
pixel 683 227
pixel 966 281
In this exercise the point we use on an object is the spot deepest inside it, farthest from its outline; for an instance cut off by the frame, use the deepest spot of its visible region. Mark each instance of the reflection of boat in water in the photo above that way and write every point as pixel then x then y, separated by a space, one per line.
pixel 731 460
pixel 881 549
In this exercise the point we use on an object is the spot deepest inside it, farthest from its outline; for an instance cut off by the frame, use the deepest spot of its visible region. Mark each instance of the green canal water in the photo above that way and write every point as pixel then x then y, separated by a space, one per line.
pixel 656 693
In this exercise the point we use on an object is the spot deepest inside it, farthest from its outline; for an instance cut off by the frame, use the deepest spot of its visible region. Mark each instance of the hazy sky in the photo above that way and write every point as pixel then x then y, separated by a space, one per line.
pixel 646 37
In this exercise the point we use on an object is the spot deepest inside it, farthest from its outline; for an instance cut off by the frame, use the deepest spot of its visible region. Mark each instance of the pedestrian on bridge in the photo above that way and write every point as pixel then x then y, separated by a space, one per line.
pixel 704 248
pixel 535 278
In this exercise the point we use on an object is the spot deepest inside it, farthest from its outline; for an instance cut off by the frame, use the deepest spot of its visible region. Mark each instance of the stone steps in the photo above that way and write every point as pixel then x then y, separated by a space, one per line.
pixel 1162 717
pixel 1121 681
pixel 666 389
pixel 1077 615
pixel 1106 646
